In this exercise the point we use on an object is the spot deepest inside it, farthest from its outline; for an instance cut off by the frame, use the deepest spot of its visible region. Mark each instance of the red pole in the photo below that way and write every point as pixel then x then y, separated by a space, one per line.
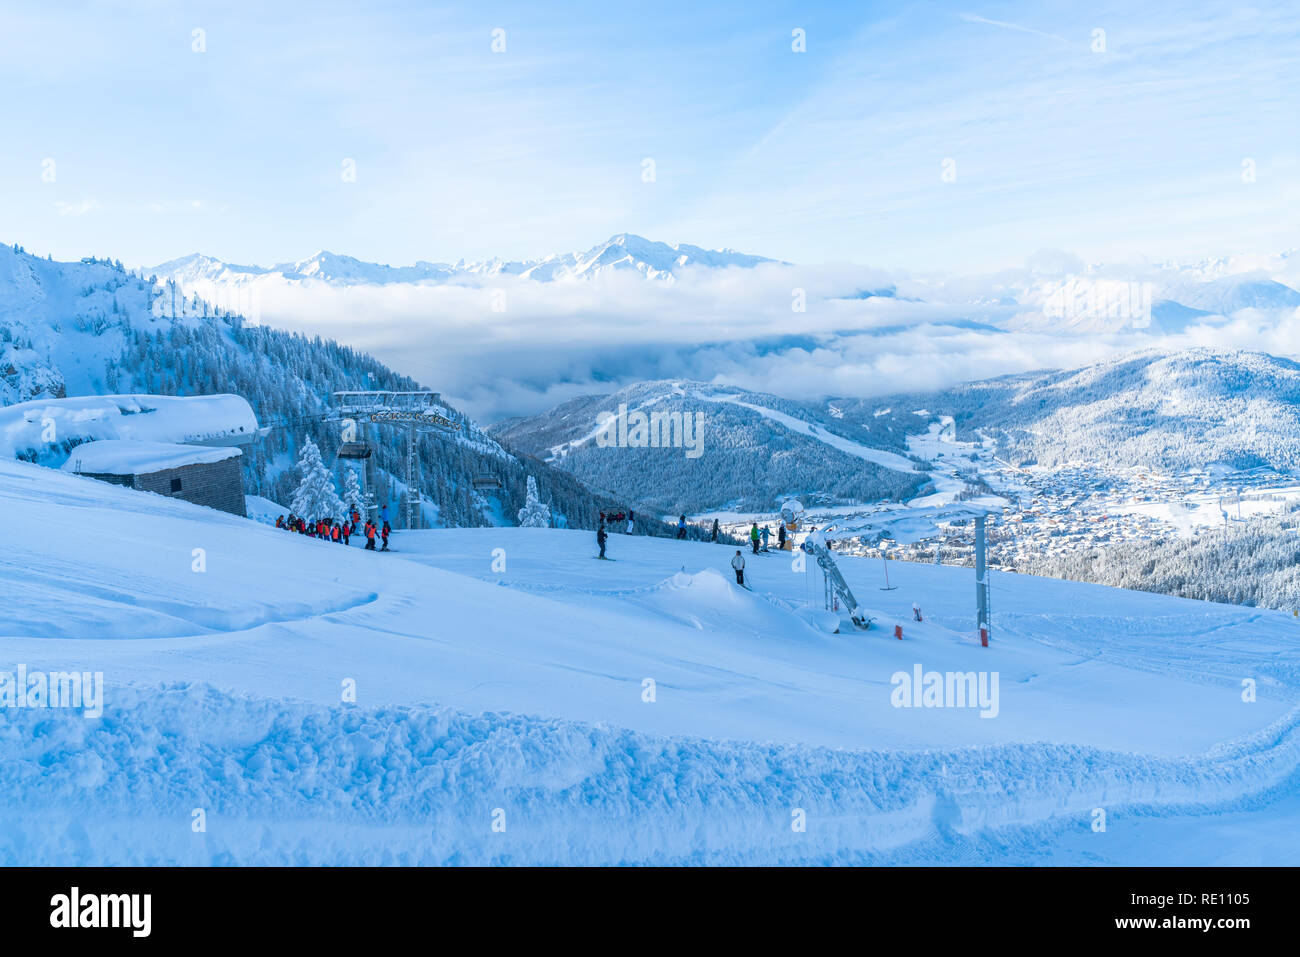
pixel 984 636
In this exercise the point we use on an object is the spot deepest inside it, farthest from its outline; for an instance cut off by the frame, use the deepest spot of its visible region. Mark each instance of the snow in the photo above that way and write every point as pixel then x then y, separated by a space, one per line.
pixel 889 460
pixel 130 457
pixel 45 425
pixel 505 669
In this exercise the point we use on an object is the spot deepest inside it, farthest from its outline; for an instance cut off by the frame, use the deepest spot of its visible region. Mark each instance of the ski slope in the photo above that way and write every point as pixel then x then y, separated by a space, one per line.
pixel 501 676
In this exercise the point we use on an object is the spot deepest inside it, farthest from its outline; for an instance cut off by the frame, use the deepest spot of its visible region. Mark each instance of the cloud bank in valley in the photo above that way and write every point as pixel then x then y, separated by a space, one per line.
pixel 501 346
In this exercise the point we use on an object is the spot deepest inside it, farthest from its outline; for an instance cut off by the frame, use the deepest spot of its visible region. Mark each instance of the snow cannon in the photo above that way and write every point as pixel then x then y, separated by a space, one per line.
pixel 791 514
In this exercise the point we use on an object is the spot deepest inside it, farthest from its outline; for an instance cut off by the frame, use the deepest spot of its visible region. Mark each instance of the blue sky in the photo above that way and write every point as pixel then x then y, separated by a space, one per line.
pixel 833 155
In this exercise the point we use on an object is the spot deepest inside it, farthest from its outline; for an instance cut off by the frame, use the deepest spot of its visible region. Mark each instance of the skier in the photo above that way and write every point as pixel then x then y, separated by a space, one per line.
pixel 681 526
pixel 279 522
pixel 370 535
pixel 383 514
pixel 763 534
pixel 780 535
pixel 630 513
pixel 713 536
pixel 334 533
pixel 738 563
pixel 601 537
pixel 346 531
pixel 753 538
pixel 384 533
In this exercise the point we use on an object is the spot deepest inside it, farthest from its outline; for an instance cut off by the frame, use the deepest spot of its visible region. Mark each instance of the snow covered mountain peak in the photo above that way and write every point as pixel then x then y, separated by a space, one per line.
pixel 623 252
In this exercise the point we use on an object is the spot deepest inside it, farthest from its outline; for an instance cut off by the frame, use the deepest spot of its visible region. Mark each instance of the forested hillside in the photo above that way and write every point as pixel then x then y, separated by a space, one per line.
pixel 93 327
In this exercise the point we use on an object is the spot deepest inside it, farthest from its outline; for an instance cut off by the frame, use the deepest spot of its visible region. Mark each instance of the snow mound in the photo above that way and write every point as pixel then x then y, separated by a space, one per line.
pixel 709 601
pixel 284 782
pixel 819 619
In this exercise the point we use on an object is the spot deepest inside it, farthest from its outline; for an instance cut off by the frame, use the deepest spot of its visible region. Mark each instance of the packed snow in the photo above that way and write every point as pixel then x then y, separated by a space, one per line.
pixel 322 704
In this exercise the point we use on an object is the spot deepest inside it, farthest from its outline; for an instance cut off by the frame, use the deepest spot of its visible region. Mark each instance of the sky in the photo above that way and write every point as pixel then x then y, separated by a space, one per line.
pixel 924 137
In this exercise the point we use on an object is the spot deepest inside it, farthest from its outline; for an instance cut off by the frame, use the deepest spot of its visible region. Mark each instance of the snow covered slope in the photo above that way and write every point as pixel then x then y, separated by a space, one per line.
pixel 754 449
pixel 1187 409
pixel 640 710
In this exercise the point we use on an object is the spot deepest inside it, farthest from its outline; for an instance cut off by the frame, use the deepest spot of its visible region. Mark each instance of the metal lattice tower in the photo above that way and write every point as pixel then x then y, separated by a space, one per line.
pixel 418 412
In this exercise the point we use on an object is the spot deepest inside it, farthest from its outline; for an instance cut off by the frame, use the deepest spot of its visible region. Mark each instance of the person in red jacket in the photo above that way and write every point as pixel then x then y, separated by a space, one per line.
pixel 334 532
pixel 385 536
pixel 370 535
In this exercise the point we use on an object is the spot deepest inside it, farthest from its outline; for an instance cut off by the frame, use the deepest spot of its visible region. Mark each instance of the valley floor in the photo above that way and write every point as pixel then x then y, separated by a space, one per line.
pixel 518 701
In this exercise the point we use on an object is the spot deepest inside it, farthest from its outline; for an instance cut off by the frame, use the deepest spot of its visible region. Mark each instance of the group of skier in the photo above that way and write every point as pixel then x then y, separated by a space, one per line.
pixel 340 532
pixel 613 519
pixel 758 537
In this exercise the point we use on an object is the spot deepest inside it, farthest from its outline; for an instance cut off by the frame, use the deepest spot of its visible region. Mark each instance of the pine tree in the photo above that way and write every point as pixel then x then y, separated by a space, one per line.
pixel 352 496
pixel 315 496
pixel 534 514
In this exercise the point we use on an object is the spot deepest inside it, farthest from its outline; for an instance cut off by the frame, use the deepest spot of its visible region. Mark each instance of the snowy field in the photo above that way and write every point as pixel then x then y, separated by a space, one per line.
pixel 501 710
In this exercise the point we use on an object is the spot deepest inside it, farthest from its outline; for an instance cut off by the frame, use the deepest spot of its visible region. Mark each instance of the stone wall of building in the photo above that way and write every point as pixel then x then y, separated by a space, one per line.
pixel 214 484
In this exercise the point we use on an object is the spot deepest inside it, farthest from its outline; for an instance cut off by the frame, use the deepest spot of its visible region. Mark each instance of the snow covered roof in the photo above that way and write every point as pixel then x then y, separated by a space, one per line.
pixel 132 457
pixel 46 426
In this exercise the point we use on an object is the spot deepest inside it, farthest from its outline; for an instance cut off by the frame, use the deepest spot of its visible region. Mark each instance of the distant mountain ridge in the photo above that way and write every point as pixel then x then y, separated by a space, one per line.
pixel 623 252
pixel 754 450
pixel 1194 408
pixel 1166 410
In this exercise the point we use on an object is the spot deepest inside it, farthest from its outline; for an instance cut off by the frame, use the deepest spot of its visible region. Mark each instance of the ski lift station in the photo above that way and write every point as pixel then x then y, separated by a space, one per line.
pixel 360 413
pixel 182 447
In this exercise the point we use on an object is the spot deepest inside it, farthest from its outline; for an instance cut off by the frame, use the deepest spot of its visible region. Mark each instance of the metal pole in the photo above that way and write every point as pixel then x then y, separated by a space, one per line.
pixel 981 575
pixel 411 492
pixel 371 492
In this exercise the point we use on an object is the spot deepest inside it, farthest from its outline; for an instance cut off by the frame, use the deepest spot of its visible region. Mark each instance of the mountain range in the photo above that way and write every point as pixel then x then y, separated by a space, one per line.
pixel 621 253
pixel 1189 409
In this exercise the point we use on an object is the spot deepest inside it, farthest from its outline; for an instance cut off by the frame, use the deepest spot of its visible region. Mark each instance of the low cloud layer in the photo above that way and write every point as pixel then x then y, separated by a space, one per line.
pixel 504 346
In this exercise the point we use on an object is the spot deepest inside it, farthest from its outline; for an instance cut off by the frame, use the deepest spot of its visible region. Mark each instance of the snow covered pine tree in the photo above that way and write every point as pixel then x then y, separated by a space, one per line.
pixel 352 496
pixel 534 514
pixel 315 496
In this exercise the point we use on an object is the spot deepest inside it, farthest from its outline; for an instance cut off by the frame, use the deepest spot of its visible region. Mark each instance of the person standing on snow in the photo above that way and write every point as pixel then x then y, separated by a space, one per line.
pixel 713 536
pixel 370 535
pixel 601 537
pixel 346 531
pixel 383 514
pixel 780 535
pixel 738 563
pixel 681 526
pixel 763 534
pixel 753 538
pixel 384 533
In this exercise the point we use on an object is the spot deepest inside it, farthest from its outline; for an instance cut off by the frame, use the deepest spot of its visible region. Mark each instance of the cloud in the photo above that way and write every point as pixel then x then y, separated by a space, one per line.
pixel 75 209
pixel 553 341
